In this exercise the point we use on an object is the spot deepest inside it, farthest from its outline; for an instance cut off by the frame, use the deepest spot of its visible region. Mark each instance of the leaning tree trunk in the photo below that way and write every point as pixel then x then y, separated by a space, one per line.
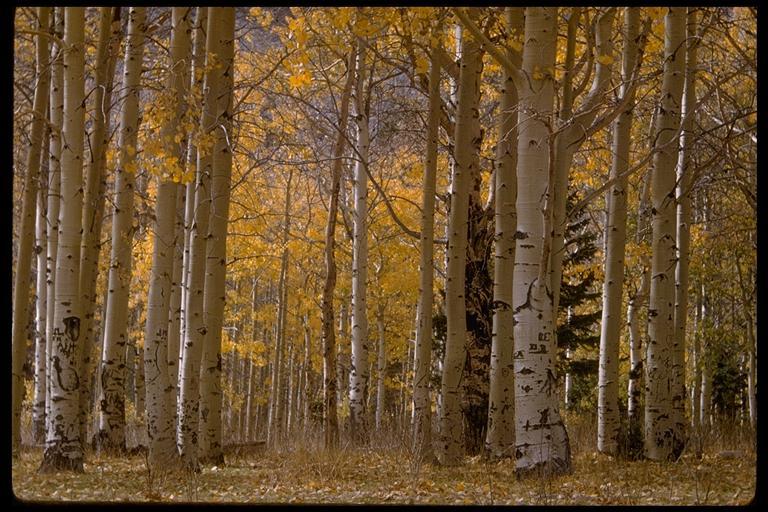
pixel 540 435
pixel 422 405
pixel 159 381
pixel 111 436
pixel 663 439
pixel 683 235
pixel 63 450
pixel 500 437
pixel 450 422
pixel 54 188
pixel 608 416
pixel 216 262
pixel 330 418
pixel 20 327
pixel 110 31
pixel 359 373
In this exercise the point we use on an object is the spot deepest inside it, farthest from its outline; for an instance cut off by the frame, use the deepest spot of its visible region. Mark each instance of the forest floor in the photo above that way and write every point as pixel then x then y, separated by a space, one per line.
pixel 389 476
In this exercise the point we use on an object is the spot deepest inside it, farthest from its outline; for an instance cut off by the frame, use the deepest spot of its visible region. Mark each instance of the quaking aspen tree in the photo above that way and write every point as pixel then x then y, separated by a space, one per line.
pixel 111 435
pixel 63 450
pixel 160 388
pixel 41 302
pixel 663 439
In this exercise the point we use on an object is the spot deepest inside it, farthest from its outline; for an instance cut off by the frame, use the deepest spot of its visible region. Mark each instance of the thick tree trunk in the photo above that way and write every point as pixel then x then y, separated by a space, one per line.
pixel 451 445
pixel 159 356
pixel 500 439
pixel 111 437
pixel 359 373
pixel 214 298
pixel 422 404
pixel 330 418
pixel 540 435
pixel 663 439
pixel 20 327
pixel 608 417
pixel 63 450
pixel 110 32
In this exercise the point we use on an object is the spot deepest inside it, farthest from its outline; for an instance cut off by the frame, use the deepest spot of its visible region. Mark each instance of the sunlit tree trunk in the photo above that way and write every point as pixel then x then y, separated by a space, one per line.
pixel 214 299
pixel 330 418
pixel 359 373
pixel 158 354
pixel 540 436
pixel 110 32
pixel 608 416
pixel 683 236
pixel 500 438
pixel 111 435
pixel 63 450
pixel 662 438
pixel 26 231
pixel 422 404
pixel 194 325
pixel 450 444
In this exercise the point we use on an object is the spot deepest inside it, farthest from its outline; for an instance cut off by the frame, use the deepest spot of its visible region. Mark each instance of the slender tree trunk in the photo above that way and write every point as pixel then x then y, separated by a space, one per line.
pixel 683 235
pixel 359 374
pixel 250 397
pixel 540 435
pixel 27 227
pixel 500 439
pixel 110 32
pixel 663 439
pixel 422 404
pixel 41 310
pixel 330 419
pixel 112 400
pixel 608 417
pixel 159 355
pixel 63 450
pixel 216 261
pixel 194 323
pixel 381 369
pixel 696 387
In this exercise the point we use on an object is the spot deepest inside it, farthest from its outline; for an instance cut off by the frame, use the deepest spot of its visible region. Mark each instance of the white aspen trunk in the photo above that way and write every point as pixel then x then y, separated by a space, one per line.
pixel 63 450
pixel 706 372
pixel 696 387
pixel 249 401
pixel 26 231
pixel 194 326
pixel 307 374
pixel 500 436
pixel 159 356
pixel 634 385
pixel 359 373
pixel 540 436
pixel 214 299
pixel 381 369
pixel 41 309
pixel 111 437
pixel 608 417
pixel 110 31
pixel 451 425
pixel 177 291
pixel 683 236
pixel 662 438
pixel 422 404
pixel 54 193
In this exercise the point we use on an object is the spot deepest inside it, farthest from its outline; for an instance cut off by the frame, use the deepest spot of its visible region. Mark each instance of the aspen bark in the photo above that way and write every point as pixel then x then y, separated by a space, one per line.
pixel 158 355
pixel 214 298
pixel 696 387
pixel 249 402
pixel 110 32
pixel 422 404
pixel 540 436
pixel 359 373
pixel 194 326
pixel 683 236
pixel 662 437
pixel 381 369
pixel 41 304
pixel 330 418
pixel 63 450
pixel 500 437
pixel 450 422
pixel 608 417
pixel 111 435
pixel 27 227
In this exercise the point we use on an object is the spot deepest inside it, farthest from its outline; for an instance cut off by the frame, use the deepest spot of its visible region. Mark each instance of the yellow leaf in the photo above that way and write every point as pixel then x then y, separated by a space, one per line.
pixel 605 59
pixel 422 65
pixel 131 167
